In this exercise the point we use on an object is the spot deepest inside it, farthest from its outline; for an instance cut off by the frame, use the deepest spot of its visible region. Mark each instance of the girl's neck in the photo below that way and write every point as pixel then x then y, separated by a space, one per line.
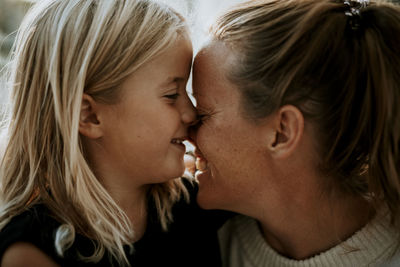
pixel 134 202
pixel 309 230
pixel 130 194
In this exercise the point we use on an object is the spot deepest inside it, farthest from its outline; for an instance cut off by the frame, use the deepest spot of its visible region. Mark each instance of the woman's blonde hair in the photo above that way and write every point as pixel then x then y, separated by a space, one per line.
pixel 63 49
pixel 341 71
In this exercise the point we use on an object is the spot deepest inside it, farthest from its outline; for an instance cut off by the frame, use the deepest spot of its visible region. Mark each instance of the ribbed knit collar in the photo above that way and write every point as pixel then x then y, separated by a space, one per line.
pixel 375 242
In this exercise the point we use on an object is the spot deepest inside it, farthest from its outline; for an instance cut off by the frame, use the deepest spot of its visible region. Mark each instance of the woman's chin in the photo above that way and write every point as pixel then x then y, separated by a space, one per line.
pixel 204 202
pixel 207 197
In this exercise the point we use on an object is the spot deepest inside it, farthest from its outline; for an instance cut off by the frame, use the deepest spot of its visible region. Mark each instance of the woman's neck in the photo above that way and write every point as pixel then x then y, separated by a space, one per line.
pixel 316 227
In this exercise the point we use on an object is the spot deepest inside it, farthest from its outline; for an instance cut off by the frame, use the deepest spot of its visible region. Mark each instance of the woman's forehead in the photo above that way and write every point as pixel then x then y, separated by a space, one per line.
pixel 212 63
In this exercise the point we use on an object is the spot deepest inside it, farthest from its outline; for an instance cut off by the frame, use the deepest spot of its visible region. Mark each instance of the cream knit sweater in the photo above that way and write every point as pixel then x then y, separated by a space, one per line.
pixel 242 245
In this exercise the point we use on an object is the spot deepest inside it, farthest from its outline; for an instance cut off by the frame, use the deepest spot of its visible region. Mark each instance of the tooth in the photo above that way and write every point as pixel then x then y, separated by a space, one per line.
pixel 201 165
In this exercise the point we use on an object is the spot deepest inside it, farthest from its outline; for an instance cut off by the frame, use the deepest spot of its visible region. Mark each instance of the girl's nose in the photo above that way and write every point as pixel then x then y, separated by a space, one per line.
pixel 189 113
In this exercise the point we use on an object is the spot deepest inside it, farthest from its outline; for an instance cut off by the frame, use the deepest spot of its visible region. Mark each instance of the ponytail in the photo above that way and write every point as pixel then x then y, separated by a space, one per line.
pixel 382 39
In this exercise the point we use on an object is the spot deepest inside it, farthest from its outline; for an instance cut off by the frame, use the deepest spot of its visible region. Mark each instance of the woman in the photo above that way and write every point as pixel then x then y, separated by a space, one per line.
pixel 300 132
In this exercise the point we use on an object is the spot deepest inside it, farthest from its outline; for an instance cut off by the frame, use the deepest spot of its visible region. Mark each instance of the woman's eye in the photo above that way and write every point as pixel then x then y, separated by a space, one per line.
pixel 172 96
pixel 202 117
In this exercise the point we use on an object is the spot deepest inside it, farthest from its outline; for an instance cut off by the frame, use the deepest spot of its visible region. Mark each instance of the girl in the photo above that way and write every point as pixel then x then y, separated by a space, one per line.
pixel 95 138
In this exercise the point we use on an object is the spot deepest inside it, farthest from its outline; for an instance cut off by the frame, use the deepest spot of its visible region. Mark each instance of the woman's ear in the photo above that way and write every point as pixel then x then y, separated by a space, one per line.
pixel 89 123
pixel 288 130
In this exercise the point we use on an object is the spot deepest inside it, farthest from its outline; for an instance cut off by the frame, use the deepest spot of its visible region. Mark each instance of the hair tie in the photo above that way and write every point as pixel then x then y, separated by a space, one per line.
pixel 353 12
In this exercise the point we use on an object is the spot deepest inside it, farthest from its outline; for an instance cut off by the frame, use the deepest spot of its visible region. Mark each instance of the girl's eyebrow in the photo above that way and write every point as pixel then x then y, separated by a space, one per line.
pixel 170 80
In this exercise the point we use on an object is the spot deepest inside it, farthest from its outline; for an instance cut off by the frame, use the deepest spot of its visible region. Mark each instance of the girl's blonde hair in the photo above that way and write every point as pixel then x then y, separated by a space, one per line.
pixel 341 71
pixel 63 49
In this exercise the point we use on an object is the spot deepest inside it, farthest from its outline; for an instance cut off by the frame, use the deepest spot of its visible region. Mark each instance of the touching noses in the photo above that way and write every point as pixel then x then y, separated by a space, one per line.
pixel 189 114
pixel 190 119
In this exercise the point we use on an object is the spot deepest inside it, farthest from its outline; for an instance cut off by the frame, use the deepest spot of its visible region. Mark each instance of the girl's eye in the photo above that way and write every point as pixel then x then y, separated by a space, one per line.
pixel 172 96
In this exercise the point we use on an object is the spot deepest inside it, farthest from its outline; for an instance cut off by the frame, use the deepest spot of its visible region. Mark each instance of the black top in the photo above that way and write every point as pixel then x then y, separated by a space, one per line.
pixel 190 241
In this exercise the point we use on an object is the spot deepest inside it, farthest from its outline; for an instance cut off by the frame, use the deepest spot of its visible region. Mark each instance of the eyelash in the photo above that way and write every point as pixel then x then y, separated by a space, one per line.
pixel 172 96
pixel 202 117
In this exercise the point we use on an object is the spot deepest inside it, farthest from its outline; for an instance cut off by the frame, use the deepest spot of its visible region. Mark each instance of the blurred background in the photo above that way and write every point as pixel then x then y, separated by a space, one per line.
pixel 11 14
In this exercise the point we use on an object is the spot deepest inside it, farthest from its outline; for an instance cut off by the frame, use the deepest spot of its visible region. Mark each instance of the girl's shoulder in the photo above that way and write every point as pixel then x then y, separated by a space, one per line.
pixel 37 227
pixel 33 226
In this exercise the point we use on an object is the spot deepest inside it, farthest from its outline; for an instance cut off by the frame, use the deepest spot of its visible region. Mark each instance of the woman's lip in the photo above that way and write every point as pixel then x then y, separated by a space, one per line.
pixel 198 154
pixel 201 164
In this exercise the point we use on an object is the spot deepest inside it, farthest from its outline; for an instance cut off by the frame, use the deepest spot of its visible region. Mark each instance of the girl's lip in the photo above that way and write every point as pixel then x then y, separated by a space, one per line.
pixel 179 140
